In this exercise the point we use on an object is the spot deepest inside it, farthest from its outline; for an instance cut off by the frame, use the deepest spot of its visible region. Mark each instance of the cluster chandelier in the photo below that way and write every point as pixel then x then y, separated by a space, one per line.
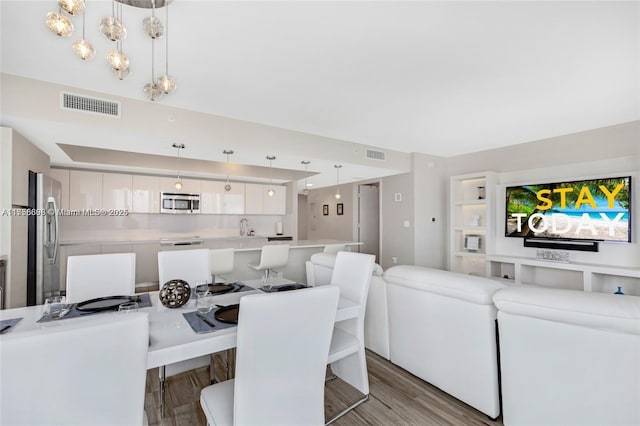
pixel 113 29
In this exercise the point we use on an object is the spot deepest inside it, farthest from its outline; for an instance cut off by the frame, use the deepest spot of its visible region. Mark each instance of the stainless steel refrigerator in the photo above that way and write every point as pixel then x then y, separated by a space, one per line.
pixel 43 262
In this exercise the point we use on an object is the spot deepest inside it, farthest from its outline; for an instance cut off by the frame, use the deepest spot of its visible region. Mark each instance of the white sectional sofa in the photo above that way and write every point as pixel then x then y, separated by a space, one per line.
pixel 569 357
pixel 376 332
pixel 442 329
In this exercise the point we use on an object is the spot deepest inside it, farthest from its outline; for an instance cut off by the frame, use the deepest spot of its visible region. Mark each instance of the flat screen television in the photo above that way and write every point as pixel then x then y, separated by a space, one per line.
pixel 593 210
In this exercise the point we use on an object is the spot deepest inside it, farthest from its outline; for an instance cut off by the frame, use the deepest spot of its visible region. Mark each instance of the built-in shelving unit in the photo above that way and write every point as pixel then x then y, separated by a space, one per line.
pixel 471 222
pixel 576 276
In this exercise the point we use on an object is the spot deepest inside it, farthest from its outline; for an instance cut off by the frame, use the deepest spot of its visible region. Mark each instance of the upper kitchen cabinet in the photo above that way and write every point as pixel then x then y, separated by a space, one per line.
pixel 116 191
pixel 277 204
pixel 215 200
pixel 62 176
pixel 257 201
pixel 146 194
pixel 189 186
pixel 85 190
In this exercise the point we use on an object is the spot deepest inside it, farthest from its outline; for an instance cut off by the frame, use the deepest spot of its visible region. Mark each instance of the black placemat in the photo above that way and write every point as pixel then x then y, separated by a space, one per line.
pixel 8 324
pixel 199 326
pixel 143 302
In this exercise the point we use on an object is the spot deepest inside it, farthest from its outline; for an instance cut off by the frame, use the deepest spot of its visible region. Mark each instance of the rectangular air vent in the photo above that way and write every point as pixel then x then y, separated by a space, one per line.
pixel 375 155
pixel 83 103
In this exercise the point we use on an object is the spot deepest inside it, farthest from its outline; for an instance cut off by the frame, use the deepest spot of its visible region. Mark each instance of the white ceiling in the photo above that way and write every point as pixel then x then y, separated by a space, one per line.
pixel 435 77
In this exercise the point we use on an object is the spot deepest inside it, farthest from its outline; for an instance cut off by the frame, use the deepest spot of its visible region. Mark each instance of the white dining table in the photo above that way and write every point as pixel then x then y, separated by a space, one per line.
pixel 171 338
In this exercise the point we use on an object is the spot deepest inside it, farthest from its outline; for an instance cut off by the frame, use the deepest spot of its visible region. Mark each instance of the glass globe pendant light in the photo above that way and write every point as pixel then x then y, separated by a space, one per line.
pixel 271 192
pixel 72 7
pixel 338 195
pixel 178 183
pixel 227 187
pixel 111 26
pixel 153 28
pixel 59 24
pixel 82 48
pixel 166 82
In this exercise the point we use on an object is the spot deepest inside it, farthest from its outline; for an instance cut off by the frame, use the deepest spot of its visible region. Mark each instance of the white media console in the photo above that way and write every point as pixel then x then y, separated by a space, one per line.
pixel 577 276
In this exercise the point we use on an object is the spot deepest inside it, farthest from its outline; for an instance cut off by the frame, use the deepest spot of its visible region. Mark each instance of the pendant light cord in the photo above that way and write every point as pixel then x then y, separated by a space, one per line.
pixel 166 6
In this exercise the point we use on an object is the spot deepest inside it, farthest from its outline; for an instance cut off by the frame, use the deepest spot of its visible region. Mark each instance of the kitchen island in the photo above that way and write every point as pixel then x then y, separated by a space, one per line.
pixel 247 251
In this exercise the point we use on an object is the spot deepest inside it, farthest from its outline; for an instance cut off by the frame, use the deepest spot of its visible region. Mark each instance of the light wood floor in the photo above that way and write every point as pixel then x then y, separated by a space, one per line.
pixel 396 398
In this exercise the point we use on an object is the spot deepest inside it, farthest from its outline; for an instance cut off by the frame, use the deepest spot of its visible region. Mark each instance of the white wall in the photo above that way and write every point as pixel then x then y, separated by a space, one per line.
pixel 333 226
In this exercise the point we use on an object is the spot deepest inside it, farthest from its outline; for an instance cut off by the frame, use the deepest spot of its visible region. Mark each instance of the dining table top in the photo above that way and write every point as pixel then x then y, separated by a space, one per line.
pixel 171 338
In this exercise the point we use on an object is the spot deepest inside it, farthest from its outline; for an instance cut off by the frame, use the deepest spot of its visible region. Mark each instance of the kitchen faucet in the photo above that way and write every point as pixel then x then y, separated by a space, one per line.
pixel 244 227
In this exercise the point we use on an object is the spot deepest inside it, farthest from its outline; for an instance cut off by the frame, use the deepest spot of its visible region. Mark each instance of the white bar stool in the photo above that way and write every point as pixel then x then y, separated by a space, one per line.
pixel 271 257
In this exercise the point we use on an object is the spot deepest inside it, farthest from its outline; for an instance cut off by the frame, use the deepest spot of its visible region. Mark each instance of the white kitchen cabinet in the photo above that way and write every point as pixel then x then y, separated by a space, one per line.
pixel 276 204
pixel 257 201
pixel 215 200
pixel 145 194
pixel 116 191
pixel 253 198
pixel 189 186
pixel 85 190
pixel 62 176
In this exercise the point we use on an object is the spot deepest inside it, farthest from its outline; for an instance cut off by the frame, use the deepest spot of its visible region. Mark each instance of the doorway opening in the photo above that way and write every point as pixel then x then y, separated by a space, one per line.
pixel 369 219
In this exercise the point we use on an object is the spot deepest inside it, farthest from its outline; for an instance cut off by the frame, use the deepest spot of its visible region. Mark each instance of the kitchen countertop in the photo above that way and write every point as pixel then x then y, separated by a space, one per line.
pixel 238 243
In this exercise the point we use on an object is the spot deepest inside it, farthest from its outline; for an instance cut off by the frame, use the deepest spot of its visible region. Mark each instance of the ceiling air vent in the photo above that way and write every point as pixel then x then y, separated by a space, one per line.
pixel 103 107
pixel 375 155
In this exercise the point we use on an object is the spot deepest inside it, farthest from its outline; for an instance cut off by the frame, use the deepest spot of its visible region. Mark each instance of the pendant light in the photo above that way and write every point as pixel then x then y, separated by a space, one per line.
pixel 165 82
pixel 338 195
pixel 271 192
pixel 82 48
pixel 112 28
pixel 72 7
pixel 153 28
pixel 227 187
pixel 178 146
pixel 305 191
pixel 59 24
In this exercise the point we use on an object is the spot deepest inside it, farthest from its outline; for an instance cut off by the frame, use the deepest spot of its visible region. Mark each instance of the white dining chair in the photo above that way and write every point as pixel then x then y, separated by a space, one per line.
pixel 222 262
pixel 100 275
pixel 281 361
pixel 187 265
pixel 191 266
pixel 87 372
pixel 272 257
pixel 352 275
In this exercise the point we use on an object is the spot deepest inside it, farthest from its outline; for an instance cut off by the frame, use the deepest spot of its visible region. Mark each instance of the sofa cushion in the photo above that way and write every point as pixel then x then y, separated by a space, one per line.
pixel 467 287
pixel 596 310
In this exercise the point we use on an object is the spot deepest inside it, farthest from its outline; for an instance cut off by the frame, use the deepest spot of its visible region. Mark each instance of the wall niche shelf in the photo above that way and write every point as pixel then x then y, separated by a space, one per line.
pixel 576 276
pixel 471 222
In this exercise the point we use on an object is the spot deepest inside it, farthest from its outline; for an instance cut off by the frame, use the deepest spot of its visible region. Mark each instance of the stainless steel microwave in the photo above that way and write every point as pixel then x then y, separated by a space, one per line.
pixel 179 202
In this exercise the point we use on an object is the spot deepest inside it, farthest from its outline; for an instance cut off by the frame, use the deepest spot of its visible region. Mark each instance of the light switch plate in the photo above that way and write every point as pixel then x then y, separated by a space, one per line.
pixel 397 197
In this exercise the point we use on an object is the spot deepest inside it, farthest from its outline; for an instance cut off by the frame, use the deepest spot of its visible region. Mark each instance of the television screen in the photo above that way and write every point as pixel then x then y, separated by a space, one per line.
pixel 595 210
